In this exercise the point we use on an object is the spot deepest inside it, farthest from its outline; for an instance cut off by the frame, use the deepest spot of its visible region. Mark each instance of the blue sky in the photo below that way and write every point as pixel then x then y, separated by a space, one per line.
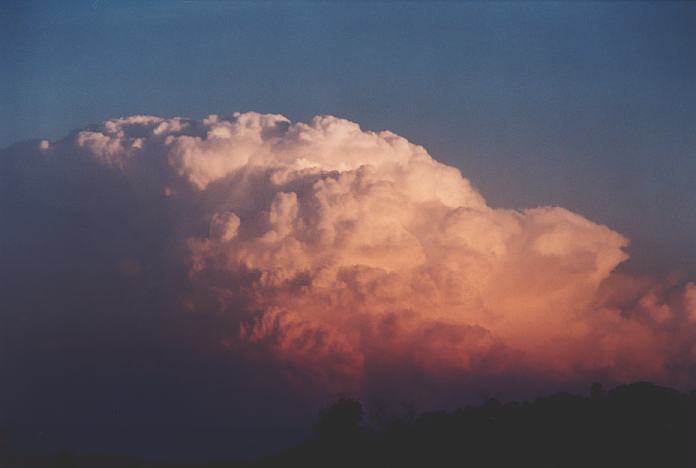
pixel 591 106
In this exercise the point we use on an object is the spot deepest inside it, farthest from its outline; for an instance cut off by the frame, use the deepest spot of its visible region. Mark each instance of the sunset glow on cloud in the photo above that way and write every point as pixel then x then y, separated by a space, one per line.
pixel 339 256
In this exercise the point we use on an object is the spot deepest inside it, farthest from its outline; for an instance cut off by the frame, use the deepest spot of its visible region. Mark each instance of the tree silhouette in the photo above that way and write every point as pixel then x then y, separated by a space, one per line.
pixel 597 392
pixel 340 422
pixel 637 425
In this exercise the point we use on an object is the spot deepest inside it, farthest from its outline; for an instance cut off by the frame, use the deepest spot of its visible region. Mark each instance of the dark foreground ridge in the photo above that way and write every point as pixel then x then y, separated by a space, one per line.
pixel 637 425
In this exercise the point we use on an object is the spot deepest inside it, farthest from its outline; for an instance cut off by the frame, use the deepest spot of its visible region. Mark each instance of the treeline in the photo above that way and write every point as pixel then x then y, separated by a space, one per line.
pixel 637 425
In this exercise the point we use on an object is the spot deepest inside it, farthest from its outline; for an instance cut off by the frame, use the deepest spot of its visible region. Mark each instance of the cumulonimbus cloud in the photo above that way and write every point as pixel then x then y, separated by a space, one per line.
pixel 339 256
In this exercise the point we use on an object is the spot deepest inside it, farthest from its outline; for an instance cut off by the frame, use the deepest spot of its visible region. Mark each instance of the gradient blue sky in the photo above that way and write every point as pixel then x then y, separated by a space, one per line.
pixel 591 106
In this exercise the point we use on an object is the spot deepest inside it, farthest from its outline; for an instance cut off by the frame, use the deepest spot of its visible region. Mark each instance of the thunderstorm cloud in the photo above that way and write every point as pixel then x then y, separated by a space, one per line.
pixel 330 258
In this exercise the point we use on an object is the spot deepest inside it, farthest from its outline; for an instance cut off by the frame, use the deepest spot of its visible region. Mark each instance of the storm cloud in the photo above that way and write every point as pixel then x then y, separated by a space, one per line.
pixel 251 255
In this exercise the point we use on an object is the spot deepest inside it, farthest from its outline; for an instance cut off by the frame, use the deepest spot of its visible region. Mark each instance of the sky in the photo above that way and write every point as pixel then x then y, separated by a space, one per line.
pixel 168 273
pixel 588 105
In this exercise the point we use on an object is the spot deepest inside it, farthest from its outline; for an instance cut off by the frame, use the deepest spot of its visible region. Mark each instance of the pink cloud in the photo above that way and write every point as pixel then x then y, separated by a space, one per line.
pixel 353 250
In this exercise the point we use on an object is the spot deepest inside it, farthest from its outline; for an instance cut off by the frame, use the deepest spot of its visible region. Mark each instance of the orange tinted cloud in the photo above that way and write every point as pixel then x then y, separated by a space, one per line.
pixel 356 250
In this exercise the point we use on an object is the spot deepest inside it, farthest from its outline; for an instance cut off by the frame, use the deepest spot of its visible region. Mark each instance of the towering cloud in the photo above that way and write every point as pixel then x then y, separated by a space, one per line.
pixel 345 259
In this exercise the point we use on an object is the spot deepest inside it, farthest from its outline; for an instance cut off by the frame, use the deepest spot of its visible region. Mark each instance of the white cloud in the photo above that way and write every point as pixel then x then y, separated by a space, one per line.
pixel 353 250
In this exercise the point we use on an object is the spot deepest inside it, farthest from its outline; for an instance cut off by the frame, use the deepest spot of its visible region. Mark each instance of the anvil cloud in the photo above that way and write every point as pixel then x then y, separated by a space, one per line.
pixel 342 258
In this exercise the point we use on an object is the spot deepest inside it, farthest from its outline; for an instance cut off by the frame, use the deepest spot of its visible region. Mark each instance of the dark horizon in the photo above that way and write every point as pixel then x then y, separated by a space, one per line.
pixel 636 424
